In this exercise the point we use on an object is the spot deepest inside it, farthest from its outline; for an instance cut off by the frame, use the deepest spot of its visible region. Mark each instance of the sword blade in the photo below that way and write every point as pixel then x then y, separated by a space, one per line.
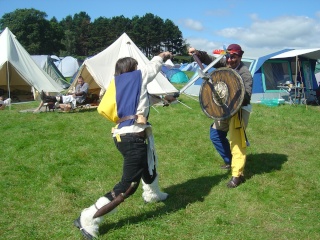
pixel 205 70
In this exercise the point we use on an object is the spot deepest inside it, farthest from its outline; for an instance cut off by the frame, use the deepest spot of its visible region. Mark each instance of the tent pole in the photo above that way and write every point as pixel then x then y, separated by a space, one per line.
pixel 8 82
pixel 155 109
pixel 295 82
pixel 184 104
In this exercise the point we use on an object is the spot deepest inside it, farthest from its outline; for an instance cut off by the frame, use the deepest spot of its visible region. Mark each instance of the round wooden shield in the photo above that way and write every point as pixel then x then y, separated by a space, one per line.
pixel 221 96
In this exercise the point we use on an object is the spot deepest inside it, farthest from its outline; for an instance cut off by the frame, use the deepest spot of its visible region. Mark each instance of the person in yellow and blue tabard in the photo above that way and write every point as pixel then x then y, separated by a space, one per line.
pixel 232 151
pixel 127 103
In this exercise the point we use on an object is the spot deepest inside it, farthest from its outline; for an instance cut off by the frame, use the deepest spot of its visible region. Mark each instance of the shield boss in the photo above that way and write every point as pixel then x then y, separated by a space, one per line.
pixel 221 96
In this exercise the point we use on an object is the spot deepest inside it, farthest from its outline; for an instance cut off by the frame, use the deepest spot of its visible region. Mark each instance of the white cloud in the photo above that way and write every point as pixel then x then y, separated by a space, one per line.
pixel 191 24
pixel 204 44
pixel 275 34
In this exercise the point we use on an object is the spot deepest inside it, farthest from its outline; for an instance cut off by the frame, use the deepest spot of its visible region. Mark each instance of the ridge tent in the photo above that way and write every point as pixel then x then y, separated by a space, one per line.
pixel 98 70
pixel 46 63
pixel 19 74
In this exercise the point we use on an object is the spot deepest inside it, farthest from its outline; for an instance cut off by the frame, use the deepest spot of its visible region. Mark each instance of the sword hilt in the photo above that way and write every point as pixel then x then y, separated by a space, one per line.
pixel 201 73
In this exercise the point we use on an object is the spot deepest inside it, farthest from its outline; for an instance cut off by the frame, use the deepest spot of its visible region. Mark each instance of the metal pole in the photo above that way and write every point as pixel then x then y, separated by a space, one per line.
pixel 8 82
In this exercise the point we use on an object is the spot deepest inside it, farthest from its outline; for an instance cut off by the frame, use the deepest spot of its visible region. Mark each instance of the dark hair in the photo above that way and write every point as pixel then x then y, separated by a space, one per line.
pixel 126 64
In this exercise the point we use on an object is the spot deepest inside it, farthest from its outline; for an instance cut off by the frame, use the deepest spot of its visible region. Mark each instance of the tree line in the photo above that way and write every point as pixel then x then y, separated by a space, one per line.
pixel 78 36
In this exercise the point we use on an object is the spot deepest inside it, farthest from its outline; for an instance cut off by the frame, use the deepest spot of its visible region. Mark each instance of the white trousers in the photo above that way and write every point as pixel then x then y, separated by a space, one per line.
pixel 6 102
pixel 69 99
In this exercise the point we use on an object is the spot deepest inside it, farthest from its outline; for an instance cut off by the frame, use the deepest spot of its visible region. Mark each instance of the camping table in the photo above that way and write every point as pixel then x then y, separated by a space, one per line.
pixel 295 93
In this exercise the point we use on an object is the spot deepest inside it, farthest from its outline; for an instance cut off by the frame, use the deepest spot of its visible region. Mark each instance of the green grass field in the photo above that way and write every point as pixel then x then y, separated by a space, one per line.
pixel 54 164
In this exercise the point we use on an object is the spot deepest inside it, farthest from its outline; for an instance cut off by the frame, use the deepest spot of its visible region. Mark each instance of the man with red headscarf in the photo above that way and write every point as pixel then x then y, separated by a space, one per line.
pixel 233 151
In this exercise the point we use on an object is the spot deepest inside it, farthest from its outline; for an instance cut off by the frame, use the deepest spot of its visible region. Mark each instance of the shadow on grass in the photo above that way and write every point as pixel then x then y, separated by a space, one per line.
pixel 181 195
pixel 264 163
pixel 195 190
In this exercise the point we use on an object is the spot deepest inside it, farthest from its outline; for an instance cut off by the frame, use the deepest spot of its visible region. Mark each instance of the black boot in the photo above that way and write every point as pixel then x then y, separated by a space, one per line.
pixel 235 181
pixel 46 99
pixel 43 96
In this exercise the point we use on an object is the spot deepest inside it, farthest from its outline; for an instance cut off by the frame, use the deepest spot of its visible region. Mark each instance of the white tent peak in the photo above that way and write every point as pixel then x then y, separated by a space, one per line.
pixel 99 69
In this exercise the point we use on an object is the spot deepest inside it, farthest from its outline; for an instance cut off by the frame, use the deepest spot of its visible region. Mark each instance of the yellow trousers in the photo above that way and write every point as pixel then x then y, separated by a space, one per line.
pixel 236 129
pixel 238 143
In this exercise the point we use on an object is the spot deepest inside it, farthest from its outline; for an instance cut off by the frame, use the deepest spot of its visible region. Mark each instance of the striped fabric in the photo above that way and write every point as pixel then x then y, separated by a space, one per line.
pixel 122 98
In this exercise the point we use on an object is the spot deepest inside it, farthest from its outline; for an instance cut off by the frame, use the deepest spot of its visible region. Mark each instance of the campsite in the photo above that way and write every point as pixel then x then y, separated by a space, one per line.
pixel 53 164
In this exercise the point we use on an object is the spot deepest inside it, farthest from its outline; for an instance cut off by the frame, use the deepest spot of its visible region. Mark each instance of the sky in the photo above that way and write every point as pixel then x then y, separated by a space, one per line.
pixel 260 27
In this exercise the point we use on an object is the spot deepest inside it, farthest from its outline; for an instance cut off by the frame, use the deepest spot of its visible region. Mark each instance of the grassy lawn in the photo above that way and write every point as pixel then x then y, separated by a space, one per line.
pixel 54 164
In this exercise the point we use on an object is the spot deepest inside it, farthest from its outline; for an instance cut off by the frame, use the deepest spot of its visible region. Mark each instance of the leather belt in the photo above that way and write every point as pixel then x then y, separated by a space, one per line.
pixel 127 118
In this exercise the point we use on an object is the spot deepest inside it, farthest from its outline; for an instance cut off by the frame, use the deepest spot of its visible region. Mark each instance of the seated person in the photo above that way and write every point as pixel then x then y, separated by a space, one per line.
pixel 66 101
pixel 4 103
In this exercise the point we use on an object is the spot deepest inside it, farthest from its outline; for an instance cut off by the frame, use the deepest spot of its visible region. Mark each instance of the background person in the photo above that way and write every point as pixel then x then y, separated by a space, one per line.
pixel 78 96
pixel 81 90
pixel 67 101
pixel 232 151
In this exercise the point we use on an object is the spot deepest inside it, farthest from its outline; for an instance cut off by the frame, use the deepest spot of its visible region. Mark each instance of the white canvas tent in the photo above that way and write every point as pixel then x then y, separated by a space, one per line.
pixel 18 72
pixel 98 70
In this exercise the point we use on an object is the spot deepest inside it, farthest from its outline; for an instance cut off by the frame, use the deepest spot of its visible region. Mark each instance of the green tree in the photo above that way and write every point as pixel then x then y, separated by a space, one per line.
pixel 69 40
pixel 147 32
pixel 99 35
pixel 118 26
pixel 105 31
pixel 55 33
pixel 36 34
pixel 172 37
pixel 77 34
pixel 82 30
